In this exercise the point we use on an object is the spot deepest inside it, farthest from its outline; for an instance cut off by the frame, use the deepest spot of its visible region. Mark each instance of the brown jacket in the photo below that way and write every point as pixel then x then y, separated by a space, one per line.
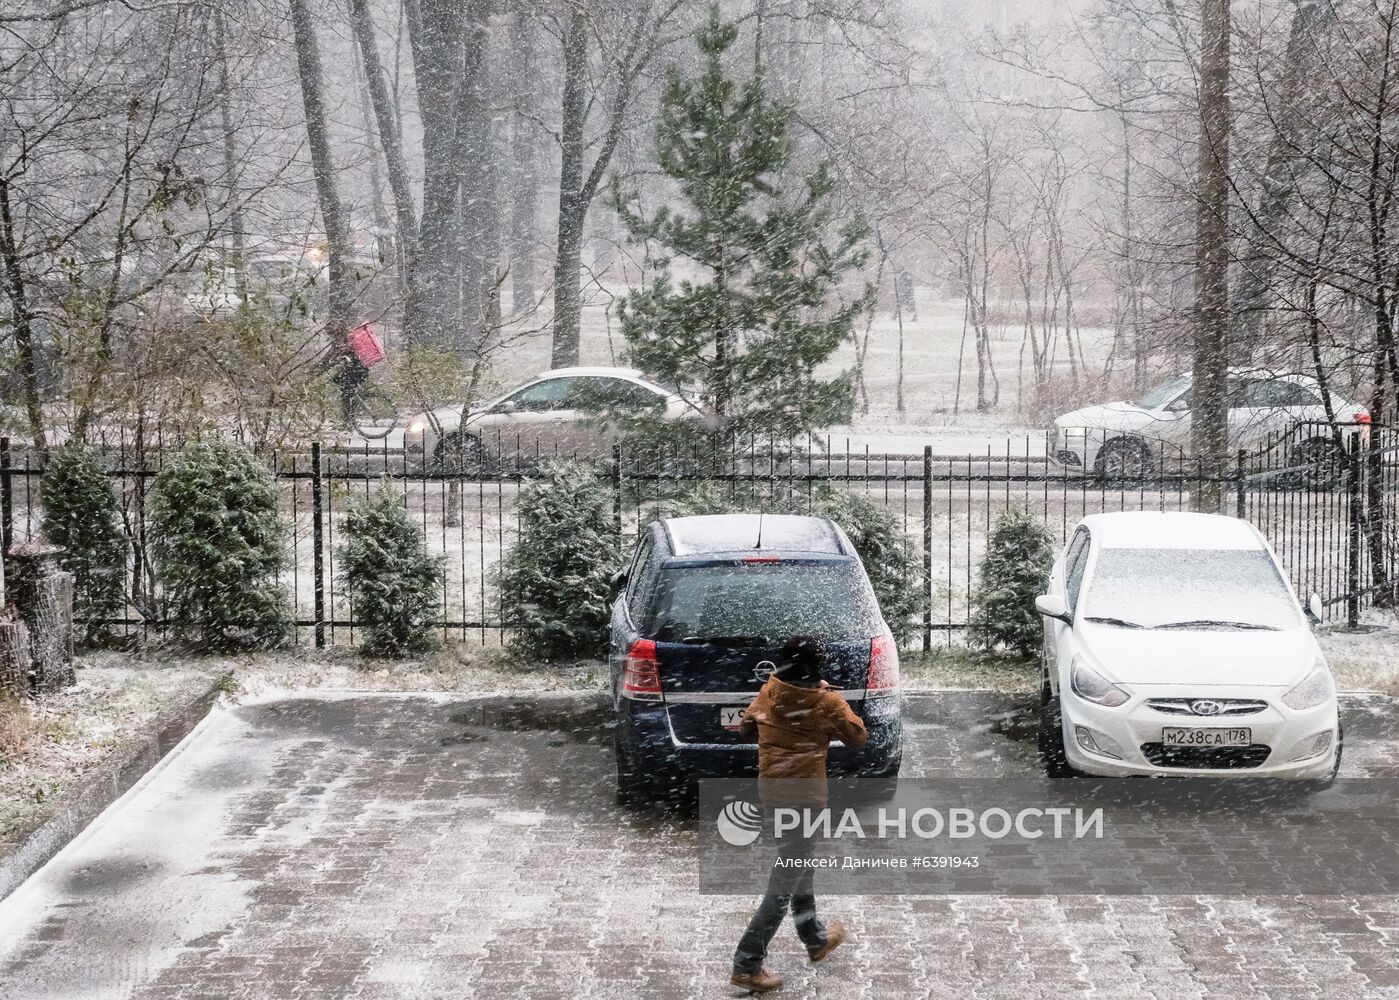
pixel 794 727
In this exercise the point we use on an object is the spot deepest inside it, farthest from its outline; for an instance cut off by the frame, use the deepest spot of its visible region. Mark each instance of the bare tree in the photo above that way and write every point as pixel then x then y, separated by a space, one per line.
pixel 337 230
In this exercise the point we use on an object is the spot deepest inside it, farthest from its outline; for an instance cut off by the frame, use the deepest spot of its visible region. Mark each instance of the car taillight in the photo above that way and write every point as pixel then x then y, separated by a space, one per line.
pixel 884 665
pixel 641 675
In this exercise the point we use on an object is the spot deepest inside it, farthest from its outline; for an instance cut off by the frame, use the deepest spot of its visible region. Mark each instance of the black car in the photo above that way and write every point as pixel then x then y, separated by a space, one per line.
pixel 698 624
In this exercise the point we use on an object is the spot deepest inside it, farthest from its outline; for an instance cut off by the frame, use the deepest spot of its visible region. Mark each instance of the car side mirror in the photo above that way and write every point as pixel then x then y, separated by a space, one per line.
pixel 616 584
pixel 1315 608
pixel 506 407
pixel 1053 606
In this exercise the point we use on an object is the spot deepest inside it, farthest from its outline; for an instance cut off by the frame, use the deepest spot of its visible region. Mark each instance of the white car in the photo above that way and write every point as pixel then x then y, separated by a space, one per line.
pixel 1266 409
pixel 557 412
pixel 1174 644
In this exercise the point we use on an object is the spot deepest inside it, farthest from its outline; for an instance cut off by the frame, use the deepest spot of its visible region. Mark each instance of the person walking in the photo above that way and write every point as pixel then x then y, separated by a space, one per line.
pixel 793 720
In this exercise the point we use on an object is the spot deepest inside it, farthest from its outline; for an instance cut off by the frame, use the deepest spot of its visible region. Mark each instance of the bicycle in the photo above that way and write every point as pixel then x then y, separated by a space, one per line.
pixel 368 410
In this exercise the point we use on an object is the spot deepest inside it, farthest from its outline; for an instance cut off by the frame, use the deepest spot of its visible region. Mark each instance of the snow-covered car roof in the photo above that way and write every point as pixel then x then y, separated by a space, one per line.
pixel 713 533
pixel 598 371
pixel 1150 529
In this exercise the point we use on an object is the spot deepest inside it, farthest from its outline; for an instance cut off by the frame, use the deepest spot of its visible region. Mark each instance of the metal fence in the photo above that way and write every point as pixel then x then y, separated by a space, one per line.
pixel 1336 534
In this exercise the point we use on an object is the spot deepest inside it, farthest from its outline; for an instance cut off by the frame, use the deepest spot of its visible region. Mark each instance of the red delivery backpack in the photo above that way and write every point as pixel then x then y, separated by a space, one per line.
pixel 366 346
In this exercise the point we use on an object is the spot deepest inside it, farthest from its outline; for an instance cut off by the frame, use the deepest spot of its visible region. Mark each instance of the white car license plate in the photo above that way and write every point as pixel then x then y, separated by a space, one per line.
pixel 729 717
pixel 1173 736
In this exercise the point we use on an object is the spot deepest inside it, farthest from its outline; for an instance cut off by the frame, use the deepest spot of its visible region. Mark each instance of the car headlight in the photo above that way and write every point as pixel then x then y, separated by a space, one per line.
pixel 1092 686
pixel 1314 689
pixel 417 426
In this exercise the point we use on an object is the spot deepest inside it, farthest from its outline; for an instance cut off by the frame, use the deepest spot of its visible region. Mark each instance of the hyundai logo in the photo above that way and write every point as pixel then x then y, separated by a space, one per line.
pixel 1206 706
pixel 764 669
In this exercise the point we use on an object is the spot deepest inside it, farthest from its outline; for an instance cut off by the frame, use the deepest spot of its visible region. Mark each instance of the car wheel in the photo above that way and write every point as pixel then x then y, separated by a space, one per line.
pixel 1319 464
pixel 1123 459
pixel 1051 736
pixel 461 454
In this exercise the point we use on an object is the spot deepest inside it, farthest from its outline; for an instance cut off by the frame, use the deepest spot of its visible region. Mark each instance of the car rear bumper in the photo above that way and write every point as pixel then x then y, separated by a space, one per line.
pixel 645 736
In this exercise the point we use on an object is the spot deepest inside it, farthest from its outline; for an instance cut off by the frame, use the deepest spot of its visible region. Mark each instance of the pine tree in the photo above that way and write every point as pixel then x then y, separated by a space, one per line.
pixel 81 514
pixel 390 576
pixel 1014 572
pixel 554 581
pixel 749 333
pixel 218 545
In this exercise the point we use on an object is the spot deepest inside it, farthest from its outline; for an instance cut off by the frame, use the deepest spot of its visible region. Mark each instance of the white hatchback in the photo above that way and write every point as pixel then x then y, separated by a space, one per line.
pixel 1174 644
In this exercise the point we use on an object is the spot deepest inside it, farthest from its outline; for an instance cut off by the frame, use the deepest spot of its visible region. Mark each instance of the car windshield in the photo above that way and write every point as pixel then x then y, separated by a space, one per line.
pixel 1189 588
pixel 1154 399
pixel 829 599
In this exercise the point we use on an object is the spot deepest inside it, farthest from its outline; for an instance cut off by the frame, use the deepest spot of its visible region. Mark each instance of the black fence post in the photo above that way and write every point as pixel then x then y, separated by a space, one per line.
pixel 7 511
pixel 1241 484
pixel 928 546
pixel 617 489
pixel 1353 533
pixel 318 543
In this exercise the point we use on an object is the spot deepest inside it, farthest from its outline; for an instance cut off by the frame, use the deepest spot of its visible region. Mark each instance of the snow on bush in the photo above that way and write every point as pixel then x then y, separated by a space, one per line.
pixel 554 580
pixel 218 546
pixel 81 514
pixel 392 579
pixel 1014 572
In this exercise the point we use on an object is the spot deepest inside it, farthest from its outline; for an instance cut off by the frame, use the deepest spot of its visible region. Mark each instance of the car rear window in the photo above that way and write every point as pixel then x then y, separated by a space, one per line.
pixel 830 599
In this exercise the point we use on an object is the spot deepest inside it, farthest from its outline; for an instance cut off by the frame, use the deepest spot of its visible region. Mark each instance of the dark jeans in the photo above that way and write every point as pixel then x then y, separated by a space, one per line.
pixel 788 888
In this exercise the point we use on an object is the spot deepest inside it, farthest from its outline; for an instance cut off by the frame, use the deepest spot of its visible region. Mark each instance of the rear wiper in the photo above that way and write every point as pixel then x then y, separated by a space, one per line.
pixel 1115 622
pixel 725 640
pixel 1211 622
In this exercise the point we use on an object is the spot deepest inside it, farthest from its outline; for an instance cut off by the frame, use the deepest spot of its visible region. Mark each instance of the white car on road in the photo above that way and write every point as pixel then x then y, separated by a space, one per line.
pixel 557 412
pixel 1174 644
pixel 1136 437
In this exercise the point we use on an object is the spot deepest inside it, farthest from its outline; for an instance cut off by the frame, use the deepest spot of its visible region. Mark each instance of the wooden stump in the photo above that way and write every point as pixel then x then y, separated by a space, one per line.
pixel 14 655
pixel 43 595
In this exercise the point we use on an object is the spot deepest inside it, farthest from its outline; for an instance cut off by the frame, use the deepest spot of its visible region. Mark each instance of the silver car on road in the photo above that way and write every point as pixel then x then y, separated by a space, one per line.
pixel 1152 433
pixel 558 412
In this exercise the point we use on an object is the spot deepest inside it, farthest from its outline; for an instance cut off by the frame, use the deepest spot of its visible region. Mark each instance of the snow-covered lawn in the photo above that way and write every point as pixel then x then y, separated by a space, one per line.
pixel 1367 660
pixel 62 737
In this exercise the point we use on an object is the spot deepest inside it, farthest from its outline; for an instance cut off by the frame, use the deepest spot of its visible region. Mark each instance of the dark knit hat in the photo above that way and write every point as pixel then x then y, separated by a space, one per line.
pixel 800 661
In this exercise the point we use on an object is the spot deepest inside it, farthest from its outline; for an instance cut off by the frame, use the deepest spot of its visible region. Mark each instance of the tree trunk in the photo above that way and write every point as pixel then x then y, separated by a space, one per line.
pixel 1276 189
pixel 1209 410
pixel 21 319
pixel 381 101
pixel 337 232
pixel 478 210
pixel 435 34
pixel 568 301
pixel 238 259
pixel 524 155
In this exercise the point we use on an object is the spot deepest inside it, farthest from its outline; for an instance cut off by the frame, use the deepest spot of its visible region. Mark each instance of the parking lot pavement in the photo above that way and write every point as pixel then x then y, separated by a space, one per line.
pixel 414 847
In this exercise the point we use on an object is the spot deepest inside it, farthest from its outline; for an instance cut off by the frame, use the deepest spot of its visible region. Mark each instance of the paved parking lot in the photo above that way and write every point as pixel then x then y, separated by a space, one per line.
pixel 415 847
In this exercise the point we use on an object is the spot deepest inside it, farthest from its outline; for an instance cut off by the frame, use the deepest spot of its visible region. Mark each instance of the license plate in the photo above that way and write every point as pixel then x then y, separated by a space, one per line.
pixel 1182 737
pixel 729 717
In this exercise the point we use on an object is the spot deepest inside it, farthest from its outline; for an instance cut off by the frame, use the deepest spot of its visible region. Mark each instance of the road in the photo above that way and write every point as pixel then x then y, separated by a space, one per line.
pixel 417 847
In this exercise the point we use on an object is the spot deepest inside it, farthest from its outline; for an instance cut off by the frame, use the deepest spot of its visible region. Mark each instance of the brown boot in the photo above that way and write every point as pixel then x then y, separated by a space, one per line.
pixel 761 981
pixel 835 934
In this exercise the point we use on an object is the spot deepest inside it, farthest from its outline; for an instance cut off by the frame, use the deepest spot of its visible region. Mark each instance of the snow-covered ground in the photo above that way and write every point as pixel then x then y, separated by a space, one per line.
pixel 75 730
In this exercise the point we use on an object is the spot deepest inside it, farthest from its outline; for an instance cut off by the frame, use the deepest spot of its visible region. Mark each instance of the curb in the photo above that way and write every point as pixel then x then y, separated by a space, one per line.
pixel 104 785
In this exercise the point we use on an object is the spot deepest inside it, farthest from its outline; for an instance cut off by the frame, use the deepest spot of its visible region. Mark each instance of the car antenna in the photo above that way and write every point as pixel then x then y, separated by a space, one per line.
pixel 759 545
